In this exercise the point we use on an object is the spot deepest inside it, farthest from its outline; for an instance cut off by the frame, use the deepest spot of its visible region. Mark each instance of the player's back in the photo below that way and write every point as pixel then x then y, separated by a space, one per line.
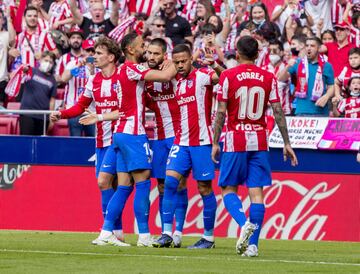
pixel 247 89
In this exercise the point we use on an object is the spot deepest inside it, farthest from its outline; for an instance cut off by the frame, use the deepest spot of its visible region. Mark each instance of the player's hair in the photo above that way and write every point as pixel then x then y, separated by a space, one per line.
pixel 299 37
pixel 181 48
pixel 354 51
pixel 248 47
pixel 278 43
pixel 314 38
pixel 160 43
pixel 110 45
pixel 29 8
pixel 347 89
pixel 127 41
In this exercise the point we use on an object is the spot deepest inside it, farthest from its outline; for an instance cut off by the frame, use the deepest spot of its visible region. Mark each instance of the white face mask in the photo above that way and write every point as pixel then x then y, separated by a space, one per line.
pixel 355 94
pixel 274 58
pixel 258 22
pixel 231 63
pixel 45 66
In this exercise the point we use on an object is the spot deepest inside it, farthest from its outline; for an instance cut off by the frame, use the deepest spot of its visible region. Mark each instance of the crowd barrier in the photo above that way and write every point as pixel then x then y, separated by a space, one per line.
pixel 48 183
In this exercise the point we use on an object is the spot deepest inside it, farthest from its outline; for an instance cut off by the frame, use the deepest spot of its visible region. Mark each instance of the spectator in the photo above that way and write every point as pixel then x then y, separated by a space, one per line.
pixel 31 42
pixel 157 30
pixel 337 11
pixel 349 106
pixel 43 17
pixel 297 46
pixel 258 16
pixel 60 15
pixel 75 74
pixel 328 36
pixel 176 27
pixel 290 9
pixel 97 25
pixel 39 94
pixel 216 21
pixel 314 81
pixel 338 51
pixel 204 9
pixel 353 11
pixel 7 38
pixel 319 9
pixel 347 73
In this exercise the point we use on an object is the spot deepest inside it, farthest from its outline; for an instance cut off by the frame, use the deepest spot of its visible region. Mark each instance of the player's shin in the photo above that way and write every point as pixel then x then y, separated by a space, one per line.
pixel 257 212
pixel 106 195
pixel 142 206
pixel 234 206
pixel 116 206
pixel 209 214
pixel 181 208
pixel 169 203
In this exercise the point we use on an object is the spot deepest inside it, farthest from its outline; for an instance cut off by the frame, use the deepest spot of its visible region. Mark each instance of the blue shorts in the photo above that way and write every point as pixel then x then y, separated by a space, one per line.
pixel 105 160
pixel 198 158
pixel 161 149
pixel 251 168
pixel 133 153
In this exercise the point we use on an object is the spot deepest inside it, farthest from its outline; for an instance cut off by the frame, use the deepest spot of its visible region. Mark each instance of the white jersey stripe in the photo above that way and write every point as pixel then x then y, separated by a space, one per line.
pixel 184 140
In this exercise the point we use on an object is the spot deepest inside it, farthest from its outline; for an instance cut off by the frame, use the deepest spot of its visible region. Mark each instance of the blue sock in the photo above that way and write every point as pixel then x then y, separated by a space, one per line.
pixel 116 206
pixel 142 205
pixel 161 197
pixel 209 213
pixel 257 212
pixel 181 208
pixel 169 202
pixel 234 206
pixel 105 198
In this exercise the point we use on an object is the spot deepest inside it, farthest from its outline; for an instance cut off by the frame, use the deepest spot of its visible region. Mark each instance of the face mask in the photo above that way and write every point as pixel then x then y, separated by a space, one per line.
pixel 295 52
pixel 274 58
pixel 45 66
pixel 231 63
pixel 355 94
pixel 258 22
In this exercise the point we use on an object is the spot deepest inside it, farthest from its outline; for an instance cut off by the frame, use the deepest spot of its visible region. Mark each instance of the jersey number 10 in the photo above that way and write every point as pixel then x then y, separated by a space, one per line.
pixel 246 97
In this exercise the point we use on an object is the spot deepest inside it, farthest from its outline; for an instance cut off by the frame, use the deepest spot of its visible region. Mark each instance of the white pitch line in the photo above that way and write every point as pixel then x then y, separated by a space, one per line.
pixel 172 257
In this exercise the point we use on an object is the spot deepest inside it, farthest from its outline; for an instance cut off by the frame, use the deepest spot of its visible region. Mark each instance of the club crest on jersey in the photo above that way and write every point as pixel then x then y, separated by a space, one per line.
pixel 116 87
pixel 190 83
pixel 140 68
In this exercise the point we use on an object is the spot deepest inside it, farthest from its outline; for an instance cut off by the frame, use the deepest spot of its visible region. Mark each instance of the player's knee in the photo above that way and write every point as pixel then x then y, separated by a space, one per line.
pixel 174 174
pixel 182 184
pixel 141 175
pixel 204 187
pixel 105 181
pixel 256 195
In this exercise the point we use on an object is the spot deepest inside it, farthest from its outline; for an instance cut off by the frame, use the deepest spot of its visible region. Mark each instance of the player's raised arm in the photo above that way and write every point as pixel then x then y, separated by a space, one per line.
pixel 281 123
pixel 166 75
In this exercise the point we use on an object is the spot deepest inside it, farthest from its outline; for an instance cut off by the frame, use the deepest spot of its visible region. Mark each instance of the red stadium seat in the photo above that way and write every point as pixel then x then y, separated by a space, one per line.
pixel 5 125
pixel 60 128
pixel 13 105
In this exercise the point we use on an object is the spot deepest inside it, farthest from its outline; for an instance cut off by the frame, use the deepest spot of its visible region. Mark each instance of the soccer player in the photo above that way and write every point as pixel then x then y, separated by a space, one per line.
pixel 102 88
pixel 192 146
pixel 167 115
pixel 134 156
pixel 243 95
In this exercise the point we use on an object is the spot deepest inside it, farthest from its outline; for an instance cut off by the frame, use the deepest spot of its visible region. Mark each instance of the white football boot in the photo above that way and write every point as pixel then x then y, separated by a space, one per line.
pixel 246 231
pixel 251 251
pixel 145 240
pixel 110 240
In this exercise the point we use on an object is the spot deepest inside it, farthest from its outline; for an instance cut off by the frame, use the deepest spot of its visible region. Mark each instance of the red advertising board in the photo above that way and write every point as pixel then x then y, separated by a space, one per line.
pixel 299 206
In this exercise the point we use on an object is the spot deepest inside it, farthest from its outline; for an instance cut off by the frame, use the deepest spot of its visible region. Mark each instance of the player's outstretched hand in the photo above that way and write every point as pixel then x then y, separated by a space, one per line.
pixel 89 119
pixel 289 152
pixel 215 152
pixel 55 116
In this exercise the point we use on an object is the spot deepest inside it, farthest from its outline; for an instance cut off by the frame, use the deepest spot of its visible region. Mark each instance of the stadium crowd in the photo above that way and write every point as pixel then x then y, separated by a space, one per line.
pixel 307 52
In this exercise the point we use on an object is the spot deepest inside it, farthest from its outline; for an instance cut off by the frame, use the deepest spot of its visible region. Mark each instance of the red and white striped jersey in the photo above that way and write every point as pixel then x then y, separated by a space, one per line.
pixel 283 87
pixel 161 99
pixel 189 10
pixel 131 99
pixel 355 36
pixel 337 12
pixel 345 75
pixel 350 106
pixel 146 6
pixel 230 41
pixel 194 97
pixel 104 91
pixel 59 10
pixel 247 89
pixel 40 41
pixel 263 60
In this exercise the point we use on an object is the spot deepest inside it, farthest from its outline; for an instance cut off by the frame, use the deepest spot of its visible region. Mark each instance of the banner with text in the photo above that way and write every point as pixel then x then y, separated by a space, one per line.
pixel 304 132
pixel 298 205
pixel 341 134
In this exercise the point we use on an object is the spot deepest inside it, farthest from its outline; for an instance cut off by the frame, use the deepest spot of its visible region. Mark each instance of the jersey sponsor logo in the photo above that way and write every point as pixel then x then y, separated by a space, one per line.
pixel 140 68
pixel 248 127
pixel 250 75
pixel 163 97
pixel 185 100
pixel 106 103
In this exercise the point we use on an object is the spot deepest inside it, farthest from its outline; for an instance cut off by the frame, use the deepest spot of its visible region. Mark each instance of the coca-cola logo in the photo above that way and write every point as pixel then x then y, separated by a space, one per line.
pixel 10 173
pixel 300 220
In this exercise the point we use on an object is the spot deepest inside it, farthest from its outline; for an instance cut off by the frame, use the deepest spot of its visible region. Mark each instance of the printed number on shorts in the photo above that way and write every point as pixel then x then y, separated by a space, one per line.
pixel 148 150
pixel 247 102
pixel 173 151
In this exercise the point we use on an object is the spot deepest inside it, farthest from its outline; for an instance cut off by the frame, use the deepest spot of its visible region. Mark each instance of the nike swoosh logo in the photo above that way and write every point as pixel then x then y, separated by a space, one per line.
pixel 167 213
pixel 205 174
pixel 106 165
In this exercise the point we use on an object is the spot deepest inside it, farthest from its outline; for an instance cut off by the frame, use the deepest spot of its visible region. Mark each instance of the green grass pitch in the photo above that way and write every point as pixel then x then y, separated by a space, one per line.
pixel 58 252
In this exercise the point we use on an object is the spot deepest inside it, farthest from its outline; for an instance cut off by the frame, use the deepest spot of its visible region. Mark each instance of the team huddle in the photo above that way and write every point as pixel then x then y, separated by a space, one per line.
pixel 186 138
